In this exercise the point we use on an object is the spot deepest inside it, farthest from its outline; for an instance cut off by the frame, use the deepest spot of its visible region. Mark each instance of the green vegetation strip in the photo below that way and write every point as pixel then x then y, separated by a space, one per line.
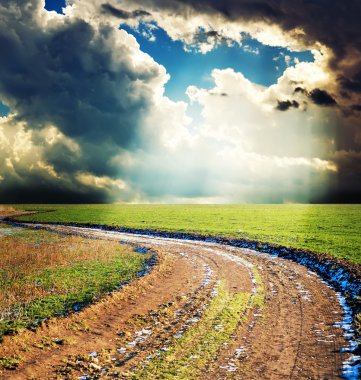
pixel 332 229
pixel 71 287
pixel 199 345
pixel 9 363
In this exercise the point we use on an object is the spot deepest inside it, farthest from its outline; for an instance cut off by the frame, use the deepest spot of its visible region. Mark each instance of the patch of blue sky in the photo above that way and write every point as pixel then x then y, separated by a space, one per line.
pixel 259 63
pixel 4 110
pixel 55 5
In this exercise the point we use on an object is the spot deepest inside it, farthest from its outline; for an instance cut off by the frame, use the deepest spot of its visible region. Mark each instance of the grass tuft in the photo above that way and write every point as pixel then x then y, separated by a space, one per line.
pixel 9 363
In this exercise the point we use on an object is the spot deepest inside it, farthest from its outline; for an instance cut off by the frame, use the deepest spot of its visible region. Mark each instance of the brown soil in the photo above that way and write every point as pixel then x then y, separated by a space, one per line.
pixel 291 337
pixel 9 212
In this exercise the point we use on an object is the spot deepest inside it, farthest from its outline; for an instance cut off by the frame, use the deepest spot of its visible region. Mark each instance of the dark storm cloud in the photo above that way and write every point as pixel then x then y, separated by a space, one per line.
pixel 300 90
pixel 72 74
pixel 352 84
pixel 345 185
pixel 317 96
pixel 356 107
pixel 68 76
pixel 322 98
pixel 333 23
pixel 120 13
pixel 286 105
pixel 39 189
pixel 233 9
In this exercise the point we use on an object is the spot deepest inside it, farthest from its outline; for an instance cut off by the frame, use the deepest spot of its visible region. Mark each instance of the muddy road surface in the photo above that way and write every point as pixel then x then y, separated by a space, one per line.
pixel 206 311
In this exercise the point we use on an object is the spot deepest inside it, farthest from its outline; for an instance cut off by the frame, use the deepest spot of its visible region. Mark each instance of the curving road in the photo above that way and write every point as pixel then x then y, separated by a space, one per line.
pixel 291 332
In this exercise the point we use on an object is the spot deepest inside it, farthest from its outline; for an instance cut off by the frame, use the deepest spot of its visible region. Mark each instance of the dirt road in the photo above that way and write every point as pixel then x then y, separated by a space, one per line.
pixel 206 311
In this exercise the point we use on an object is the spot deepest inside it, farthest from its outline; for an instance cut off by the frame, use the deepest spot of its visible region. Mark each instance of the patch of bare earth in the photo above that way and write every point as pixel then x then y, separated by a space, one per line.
pixel 293 336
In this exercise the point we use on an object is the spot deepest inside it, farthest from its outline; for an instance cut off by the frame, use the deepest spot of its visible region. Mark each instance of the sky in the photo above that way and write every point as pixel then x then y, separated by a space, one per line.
pixel 259 63
pixel 153 101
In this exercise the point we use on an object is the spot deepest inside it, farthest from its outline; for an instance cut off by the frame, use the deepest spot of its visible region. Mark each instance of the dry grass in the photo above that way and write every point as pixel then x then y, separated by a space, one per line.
pixel 21 260
pixel 6 210
pixel 38 264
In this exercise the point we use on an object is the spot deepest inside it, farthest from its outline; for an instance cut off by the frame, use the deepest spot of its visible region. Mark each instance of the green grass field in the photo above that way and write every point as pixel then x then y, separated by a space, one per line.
pixel 333 229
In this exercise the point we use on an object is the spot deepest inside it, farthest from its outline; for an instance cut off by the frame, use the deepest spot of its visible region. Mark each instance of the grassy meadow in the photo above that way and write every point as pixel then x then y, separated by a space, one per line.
pixel 43 274
pixel 332 229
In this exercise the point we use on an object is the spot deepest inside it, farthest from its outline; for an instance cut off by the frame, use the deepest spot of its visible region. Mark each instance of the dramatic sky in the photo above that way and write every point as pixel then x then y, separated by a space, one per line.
pixel 180 101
